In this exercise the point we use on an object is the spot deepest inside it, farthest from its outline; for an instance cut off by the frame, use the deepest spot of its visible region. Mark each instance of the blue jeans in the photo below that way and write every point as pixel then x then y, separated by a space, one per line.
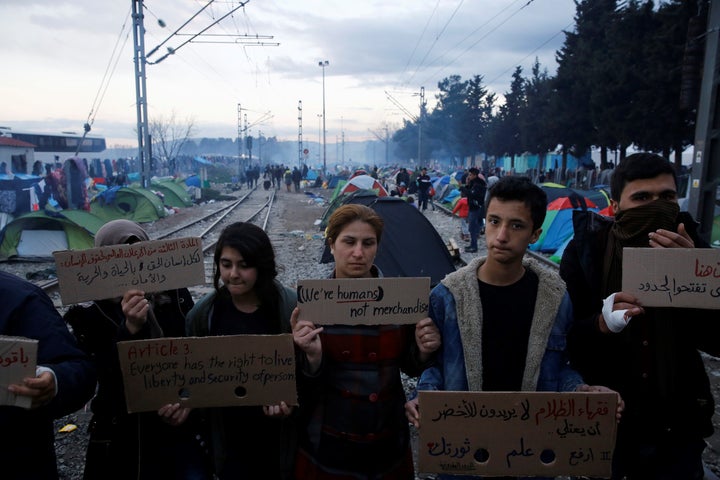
pixel 474 222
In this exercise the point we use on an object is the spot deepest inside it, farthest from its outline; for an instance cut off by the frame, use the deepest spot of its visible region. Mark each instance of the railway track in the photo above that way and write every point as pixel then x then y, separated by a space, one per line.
pixel 247 208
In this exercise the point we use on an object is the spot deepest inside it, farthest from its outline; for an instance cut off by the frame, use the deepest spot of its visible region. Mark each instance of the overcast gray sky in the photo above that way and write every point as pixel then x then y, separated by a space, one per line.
pixel 55 53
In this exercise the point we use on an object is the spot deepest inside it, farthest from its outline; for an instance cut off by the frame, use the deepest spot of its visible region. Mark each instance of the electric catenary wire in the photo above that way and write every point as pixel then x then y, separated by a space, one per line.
pixel 105 82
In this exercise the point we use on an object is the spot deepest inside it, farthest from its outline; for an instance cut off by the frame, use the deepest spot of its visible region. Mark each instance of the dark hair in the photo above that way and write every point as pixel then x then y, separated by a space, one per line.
pixel 254 246
pixel 522 189
pixel 349 213
pixel 474 170
pixel 639 166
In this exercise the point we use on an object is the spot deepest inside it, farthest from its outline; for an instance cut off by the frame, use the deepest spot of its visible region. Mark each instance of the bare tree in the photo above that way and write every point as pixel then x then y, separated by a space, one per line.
pixel 169 135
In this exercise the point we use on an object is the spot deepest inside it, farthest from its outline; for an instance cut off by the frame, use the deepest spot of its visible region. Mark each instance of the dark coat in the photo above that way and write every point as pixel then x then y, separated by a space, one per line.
pixel 654 362
pixel 124 445
pixel 28 451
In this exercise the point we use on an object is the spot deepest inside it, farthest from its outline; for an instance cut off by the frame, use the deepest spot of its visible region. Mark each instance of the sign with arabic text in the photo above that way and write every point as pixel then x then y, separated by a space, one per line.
pixel 107 272
pixel 364 301
pixel 673 277
pixel 18 356
pixel 517 433
pixel 224 371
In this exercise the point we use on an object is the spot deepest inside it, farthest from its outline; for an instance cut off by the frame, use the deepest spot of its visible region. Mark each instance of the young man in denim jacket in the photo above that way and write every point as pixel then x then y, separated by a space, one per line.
pixel 503 318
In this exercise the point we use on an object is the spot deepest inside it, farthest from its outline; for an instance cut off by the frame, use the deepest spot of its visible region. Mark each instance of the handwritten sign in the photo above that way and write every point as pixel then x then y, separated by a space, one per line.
pixel 364 301
pixel 673 277
pixel 18 357
pixel 518 433
pixel 108 272
pixel 233 370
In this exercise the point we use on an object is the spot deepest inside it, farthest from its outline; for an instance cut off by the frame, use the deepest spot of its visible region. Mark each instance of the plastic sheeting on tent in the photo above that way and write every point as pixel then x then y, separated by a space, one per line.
pixel 558 224
pixel 174 194
pixel 136 204
pixel 410 246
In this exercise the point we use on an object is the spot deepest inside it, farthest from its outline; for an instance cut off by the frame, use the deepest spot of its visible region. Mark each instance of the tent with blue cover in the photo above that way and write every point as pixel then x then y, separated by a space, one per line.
pixel 558 225
pixel 136 204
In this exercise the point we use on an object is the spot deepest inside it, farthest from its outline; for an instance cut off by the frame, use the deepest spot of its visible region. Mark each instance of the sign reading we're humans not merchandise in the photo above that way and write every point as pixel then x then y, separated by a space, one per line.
pixel 364 301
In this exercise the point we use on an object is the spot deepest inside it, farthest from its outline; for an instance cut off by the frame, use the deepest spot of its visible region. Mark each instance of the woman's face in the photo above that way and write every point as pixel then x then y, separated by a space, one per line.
pixel 354 250
pixel 235 274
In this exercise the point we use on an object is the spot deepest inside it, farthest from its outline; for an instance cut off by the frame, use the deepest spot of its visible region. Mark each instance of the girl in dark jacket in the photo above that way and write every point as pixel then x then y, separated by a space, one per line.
pixel 151 445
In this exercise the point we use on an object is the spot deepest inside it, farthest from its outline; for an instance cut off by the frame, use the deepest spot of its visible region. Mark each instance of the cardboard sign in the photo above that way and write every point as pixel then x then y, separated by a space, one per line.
pixel 364 301
pixel 107 272
pixel 673 277
pixel 517 433
pixel 234 370
pixel 18 358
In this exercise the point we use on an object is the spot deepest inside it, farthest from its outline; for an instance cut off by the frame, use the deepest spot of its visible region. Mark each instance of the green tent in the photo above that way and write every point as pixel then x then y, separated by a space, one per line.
pixel 174 194
pixel 38 234
pixel 136 204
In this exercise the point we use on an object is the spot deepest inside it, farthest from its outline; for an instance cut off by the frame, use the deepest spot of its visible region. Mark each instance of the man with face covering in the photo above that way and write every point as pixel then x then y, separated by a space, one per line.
pixel 649 355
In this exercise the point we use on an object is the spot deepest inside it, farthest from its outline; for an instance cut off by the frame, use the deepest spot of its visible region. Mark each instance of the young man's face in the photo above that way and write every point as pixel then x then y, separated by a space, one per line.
pixel 645 190
pixel 508 230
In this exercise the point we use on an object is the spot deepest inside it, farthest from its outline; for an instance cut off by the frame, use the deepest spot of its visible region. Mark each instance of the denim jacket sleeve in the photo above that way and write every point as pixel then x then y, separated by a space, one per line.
pixel 448 372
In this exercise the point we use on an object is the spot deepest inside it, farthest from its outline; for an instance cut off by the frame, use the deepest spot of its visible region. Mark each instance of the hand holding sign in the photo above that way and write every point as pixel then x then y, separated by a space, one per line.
pixel 307 338
pixel 40 389
pixel 427 337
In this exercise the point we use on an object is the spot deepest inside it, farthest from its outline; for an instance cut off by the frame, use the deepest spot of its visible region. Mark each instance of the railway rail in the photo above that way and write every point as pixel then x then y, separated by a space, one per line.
pixel 246 209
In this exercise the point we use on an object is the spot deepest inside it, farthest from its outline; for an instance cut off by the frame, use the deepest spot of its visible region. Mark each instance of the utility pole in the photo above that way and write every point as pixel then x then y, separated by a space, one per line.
pixel 420 120
pixel 143 129
pixel 342 136
pixel 706 160
pixel 387 145
pixel 239 139
pixel 300 139
pixel 324 64
pixel 141 60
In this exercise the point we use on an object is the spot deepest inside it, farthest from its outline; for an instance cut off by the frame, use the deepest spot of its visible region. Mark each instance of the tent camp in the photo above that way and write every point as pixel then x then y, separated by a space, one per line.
pixel 36 235
pixel 410 246
pixel 136 204
pixel 174 194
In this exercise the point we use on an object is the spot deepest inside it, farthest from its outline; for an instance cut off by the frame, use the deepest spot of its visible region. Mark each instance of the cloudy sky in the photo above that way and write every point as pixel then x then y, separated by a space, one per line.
pixel 68 62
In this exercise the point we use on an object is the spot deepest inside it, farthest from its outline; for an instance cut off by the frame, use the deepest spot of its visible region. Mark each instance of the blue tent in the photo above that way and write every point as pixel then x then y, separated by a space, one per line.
pixel 558 224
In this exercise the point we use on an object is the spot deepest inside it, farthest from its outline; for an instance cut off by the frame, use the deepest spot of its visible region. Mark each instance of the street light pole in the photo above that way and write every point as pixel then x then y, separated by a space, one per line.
pixel 324 64
pixel 320 117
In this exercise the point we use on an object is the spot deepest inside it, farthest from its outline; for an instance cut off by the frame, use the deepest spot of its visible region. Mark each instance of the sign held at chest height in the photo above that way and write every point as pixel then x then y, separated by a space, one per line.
pixel 18 357
pixel 233 370
pixel 673 277
pixel 107 272
pixel 364 301
pixel 517 433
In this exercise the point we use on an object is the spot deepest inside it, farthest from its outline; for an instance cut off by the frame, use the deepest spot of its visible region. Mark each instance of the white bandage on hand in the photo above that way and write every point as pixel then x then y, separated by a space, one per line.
pixel 615 320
